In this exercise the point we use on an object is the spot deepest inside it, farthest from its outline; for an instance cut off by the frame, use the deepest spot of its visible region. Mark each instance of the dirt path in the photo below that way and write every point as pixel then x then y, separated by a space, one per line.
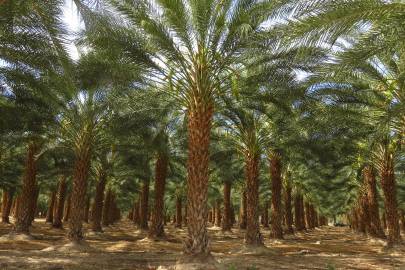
pixel 124 247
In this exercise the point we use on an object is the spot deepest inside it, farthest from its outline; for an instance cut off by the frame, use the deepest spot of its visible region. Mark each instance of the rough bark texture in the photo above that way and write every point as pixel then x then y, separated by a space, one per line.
pixel 299 212
pixel 97 208
pixel 66 210
pixel 265 216
pixel 375 228
pixel 390 200
pixel 199 128
pixel 218 215
pixel 243 211
pixel 226 220
pixel 253 237
pixel 288 210
pixel 135 213
pixel 34 205
pixel 86 210
pixel 144 207
pixel 27 195
pixel 157 226
pixel 60 203
pixel 402 218
pixel 276 189
pixel 307 214
pixel 179 215
pixel 106 208
pixel 6 207
pixel 51 204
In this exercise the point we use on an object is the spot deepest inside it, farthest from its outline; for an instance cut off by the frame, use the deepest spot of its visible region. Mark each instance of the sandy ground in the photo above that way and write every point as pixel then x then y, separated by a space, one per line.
pixel 122 246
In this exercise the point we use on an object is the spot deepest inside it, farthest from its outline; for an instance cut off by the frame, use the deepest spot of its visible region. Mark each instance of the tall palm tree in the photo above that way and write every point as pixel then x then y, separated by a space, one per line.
pixel 193 52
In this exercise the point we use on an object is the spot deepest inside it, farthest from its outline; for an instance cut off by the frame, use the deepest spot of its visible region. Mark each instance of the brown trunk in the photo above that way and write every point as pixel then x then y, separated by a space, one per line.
pixel 66 211
pixel 27 195
pixel 384 221
pixel 106 208
pixel 288 210
pixel 86 210
pixel 60 203
pixel 299 226
pixel 210 219
pixel 218 215
pixel 375 228
pixel 276 189
pixel 97 208
pixel 112 209
pixel 266 214
pixel 363 211
pixel 179 217
pixel 51 204
pixel 144 208
pixel 253 237
pixel 135 214
pixel 243 211
pixel 402 217
pixel 199 129
pixel 7 202
pixel 157 226
pixel 307 214
pixel 34 205
pixel 226 220
pixel 390 200
pixel 79 188
pixel 232 215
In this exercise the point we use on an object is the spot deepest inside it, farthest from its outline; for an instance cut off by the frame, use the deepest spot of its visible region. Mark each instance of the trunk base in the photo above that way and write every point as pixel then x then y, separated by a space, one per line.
pixel 197 262
pixel 255 250
pixel 73 246
pixel 14 236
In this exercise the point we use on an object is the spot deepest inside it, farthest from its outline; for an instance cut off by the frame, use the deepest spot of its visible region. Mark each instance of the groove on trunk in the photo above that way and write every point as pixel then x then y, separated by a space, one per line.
pixel 97 208
pixel 243 210
pixel 144 207
pixel 226 220
pixel 27 196
pixel 60 202
pixel 199 129
pixel 51 204
pixel 276 189
pixel 179 215
pixel 6 205
pixel 157 226
pixel 288 208
pixel 390 199
pixel 375 228
pixel 253 237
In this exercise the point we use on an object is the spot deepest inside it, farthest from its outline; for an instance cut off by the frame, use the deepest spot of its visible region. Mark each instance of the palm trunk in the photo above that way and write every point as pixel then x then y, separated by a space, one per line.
pixel 157 227
pixel 199 129
pixel 288 210
pixel 143 223
pixel 373 211
pixel 243 211
pixel 402 217
pixel 307 214
pixel 266 214
pixel 7 202
pixel 390 200
pixel 276 189
pixel 51 204
pixel 34 205
pixel 302 212
pixel 86 210
pixel 226 221
pixel 112 209
pixel 253 237
pixel 179 217
pixel 135 213
pixel 97 208
pixel 299 226
pixel 23 220
pixel 60 203
pixel 106 208
pixel 218 215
